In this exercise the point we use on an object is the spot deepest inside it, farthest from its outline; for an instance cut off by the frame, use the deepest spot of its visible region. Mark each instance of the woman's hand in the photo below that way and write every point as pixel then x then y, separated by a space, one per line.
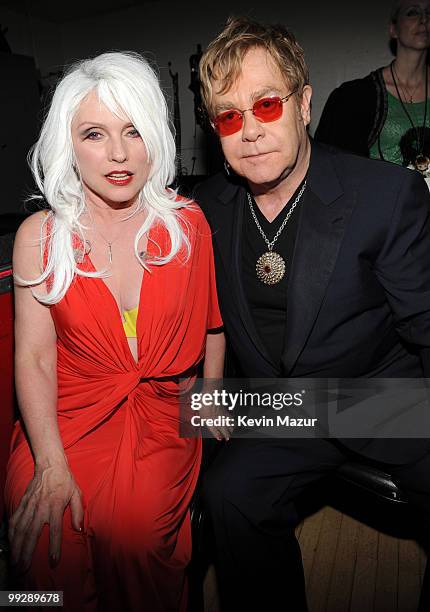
pixel 49 492
pixel 222 431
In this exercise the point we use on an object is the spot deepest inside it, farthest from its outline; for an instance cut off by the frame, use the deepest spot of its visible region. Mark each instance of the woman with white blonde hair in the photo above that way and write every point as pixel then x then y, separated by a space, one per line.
pixel 114 297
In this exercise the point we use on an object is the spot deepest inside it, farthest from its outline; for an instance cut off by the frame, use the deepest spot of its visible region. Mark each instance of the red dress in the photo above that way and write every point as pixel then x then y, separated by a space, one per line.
pixel 119 425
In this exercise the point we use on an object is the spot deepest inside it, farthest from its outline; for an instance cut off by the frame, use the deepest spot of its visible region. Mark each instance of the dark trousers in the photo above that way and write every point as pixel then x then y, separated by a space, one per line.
pixel 250 492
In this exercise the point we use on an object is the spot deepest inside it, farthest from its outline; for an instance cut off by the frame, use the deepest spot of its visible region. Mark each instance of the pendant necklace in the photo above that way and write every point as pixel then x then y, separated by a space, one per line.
pixel 421 162
pixel 270 266
pixel 108 242
pixel 406 91
pixel 142 254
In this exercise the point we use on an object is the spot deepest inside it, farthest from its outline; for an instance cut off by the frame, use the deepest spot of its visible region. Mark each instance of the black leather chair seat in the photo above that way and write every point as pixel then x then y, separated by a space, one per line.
pixel 373 480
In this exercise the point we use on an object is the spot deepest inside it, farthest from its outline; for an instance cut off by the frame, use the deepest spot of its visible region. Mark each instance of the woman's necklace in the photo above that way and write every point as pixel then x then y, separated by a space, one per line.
pixel 421 162
pixel 405 88
pixel 109 243
pixel 270 266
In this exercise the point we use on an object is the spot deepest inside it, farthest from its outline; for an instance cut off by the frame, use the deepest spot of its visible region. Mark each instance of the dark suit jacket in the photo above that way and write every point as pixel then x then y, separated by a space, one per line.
pixel 358 302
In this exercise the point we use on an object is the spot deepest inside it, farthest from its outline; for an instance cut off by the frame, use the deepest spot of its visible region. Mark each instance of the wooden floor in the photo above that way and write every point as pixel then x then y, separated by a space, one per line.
pixel 350 567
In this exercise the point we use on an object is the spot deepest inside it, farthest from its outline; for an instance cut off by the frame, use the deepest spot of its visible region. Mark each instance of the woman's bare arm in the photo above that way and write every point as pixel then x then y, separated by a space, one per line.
pixel 213 370
pixel 52 487
pixel 213 366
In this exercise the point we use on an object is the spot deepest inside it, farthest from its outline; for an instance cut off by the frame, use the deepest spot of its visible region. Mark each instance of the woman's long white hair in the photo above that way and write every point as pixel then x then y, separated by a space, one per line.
pixel 127 85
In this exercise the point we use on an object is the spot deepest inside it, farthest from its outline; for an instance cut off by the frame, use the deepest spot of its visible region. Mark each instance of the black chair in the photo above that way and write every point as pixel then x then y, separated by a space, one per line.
pixel 372 480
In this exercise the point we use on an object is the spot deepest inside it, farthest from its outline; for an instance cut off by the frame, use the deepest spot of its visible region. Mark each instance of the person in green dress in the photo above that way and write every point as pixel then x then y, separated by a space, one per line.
pixel 385 115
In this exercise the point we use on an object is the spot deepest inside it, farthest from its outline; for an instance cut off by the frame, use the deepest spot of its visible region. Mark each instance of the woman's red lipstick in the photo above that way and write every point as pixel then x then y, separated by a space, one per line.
pixel 119 177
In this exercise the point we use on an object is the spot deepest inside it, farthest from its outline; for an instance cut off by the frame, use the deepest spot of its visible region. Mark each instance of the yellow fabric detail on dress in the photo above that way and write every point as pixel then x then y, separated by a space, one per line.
pixel 129 322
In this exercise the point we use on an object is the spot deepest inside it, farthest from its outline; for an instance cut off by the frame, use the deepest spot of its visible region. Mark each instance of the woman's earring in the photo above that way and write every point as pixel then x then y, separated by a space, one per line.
pixel 227 167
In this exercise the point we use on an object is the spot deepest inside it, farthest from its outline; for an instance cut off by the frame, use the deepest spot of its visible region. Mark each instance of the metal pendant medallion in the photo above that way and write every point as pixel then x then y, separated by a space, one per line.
pixel 270 268
pixel 421 163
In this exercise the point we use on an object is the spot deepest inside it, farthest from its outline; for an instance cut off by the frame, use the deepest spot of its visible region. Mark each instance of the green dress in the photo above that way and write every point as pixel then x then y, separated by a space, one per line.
pixel 396 126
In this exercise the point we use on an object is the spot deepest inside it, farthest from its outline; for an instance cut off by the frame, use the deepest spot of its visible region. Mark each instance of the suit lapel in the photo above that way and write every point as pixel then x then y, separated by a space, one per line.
pixel 323 220
pixel 228 235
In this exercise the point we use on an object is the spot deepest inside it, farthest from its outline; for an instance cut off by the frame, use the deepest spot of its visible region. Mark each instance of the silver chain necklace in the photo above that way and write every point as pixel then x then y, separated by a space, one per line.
pixel 110 243
pixel 270 266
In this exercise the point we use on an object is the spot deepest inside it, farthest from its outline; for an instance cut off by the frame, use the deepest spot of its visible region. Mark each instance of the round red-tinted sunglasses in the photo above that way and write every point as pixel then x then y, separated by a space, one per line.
pixel 265 110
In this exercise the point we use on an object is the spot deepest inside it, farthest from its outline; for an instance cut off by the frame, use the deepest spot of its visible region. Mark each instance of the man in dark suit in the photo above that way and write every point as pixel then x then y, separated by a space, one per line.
pixel 323 271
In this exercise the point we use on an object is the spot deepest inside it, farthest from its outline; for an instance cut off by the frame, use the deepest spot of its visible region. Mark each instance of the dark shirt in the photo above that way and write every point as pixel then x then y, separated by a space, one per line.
pixel 268 303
